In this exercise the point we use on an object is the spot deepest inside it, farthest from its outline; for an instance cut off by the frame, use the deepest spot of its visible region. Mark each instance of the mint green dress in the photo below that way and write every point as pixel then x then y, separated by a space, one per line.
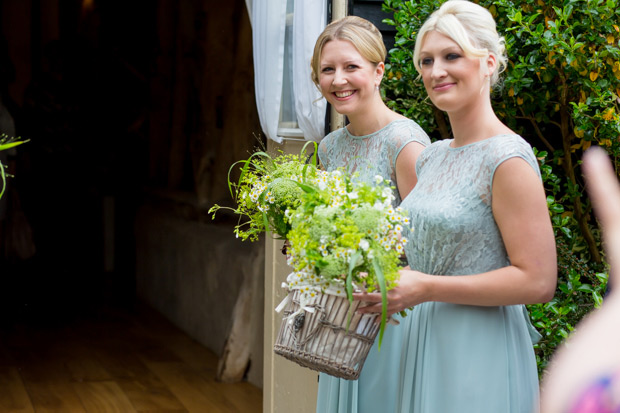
pixel 449 358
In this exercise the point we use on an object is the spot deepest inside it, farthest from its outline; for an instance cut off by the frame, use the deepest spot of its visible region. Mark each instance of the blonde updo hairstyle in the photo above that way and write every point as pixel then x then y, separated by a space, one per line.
pixel 364 35
pixel 472 27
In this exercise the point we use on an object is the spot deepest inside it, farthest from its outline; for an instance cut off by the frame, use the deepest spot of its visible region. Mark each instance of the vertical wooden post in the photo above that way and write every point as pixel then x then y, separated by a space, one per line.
pixel 287 387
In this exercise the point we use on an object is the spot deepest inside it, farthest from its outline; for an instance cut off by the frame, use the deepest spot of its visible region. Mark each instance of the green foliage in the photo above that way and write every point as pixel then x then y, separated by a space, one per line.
pixel 561 92
pixel 267 190
pixel 6 143
pixel 581 282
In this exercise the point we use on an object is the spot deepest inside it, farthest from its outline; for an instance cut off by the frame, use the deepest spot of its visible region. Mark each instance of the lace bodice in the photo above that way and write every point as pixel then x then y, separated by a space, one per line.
pixel 373 154
pixel 454 232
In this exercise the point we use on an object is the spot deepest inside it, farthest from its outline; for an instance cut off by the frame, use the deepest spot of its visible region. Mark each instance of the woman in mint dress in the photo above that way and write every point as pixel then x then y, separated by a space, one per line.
pixel 348 67
pixel 481 247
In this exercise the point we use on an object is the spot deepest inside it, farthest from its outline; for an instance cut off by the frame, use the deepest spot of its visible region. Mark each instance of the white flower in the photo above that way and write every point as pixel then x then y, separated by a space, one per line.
pixel 364 244
pixel 378 179
pixel 353 195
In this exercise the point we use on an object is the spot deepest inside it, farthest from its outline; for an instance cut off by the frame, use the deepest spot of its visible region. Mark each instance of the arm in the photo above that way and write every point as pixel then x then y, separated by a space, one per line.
pixel 593 348
pixel 520 210
pixel 406 177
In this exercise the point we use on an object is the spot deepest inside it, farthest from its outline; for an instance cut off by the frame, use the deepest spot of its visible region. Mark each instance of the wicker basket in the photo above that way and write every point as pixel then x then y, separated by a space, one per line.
pixel 320 340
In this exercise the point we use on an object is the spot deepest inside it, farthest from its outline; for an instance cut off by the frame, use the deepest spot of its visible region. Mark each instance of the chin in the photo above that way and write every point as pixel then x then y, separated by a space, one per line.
pixel 446 104
pixel 441 106
pixel 343 110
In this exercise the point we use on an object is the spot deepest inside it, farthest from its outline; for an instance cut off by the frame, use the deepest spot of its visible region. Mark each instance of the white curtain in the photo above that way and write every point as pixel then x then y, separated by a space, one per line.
pixel 268 24
pixel 268 19
pixel 248 5
pixel 308 22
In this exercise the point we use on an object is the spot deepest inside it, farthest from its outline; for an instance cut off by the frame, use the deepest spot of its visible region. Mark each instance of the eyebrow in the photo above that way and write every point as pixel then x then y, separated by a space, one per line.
pixel 442 51
pixel 347 62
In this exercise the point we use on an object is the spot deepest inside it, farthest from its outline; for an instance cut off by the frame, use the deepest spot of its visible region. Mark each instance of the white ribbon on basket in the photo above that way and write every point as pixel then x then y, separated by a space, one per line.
pixel 307 298
pixel 308 294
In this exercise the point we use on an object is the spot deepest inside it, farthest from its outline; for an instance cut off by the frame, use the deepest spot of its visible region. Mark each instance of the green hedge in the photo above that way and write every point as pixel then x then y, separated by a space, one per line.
pixel 561 93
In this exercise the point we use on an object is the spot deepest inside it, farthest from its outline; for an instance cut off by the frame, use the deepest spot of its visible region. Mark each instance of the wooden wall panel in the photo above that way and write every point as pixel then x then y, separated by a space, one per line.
pixel 237 126
pixel 161 87
pixel 17 36
pixel 204 115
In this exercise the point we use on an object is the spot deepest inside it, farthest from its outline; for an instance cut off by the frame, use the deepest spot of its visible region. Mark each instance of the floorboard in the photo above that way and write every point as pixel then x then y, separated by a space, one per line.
pixel 115 360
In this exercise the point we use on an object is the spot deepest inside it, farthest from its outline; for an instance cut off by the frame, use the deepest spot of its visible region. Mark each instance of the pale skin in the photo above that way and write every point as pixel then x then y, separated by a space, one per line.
pixel 456 85
pixel 593 350
pixel 344 71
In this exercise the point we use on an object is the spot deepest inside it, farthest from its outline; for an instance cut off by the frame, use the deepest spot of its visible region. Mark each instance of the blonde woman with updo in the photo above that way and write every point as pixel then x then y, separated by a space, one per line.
pixel 482 247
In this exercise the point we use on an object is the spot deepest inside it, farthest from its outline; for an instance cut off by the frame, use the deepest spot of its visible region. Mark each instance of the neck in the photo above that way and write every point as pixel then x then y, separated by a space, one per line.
pixel 375 117
pixel 475 123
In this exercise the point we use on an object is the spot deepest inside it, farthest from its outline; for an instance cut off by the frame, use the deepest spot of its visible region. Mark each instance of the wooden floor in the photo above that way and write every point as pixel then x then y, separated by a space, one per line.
pixel 114 360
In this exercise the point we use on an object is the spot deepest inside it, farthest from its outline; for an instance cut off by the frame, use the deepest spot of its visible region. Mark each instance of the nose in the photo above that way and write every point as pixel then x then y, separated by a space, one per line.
pixel 339 78
pixel 437 70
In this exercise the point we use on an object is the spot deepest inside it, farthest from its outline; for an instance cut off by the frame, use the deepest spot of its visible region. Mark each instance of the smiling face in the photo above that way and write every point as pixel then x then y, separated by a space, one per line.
pixel 347 79
pixel 452 80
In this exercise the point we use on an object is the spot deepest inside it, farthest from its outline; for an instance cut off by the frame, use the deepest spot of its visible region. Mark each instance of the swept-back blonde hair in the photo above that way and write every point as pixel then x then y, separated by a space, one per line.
pixel 364 35
pixel 472 27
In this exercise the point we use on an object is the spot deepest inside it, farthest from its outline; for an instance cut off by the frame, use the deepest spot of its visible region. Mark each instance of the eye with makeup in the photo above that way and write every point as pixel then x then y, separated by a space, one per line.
pixel 426 61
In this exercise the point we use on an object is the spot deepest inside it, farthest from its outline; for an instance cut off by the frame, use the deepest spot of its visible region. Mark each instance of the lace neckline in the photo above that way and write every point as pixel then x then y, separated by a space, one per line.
pixel 350 135
pixel 469 145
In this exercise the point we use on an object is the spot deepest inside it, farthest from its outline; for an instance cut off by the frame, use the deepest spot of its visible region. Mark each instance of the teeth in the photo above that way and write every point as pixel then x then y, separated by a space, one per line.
pixel 344 94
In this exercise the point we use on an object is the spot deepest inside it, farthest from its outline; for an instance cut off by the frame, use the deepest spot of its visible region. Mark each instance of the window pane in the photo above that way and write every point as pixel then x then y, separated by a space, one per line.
pixel 288 118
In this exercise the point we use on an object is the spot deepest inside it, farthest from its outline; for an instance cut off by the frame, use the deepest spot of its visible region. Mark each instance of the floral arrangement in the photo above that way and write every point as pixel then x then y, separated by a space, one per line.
pixel 6 142
pixel 346 236
pixel 268 189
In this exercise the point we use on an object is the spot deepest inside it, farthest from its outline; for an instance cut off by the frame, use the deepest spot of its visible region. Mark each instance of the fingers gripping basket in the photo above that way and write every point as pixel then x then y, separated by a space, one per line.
pixel 320 340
